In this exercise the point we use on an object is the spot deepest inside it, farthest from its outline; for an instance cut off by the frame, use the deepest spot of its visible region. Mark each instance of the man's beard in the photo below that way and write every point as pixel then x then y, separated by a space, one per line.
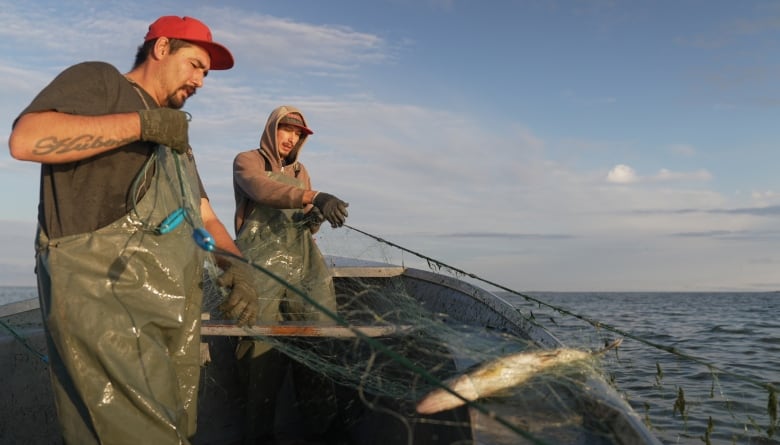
pixel 174 101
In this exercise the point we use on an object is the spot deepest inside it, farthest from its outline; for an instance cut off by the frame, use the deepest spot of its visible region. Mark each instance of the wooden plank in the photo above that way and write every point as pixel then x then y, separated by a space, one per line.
pixel 366 272
pixel 297 329
pixel 357 268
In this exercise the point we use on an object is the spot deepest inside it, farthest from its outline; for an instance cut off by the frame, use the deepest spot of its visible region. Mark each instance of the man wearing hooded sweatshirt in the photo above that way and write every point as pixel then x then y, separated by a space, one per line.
pixel 276 214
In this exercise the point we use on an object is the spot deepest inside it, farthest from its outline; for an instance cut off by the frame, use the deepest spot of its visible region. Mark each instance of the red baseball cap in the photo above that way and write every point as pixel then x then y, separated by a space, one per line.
pixel 191 30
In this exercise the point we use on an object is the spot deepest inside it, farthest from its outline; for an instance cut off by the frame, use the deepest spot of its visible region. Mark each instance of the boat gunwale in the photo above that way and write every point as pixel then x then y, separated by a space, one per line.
pixel 487 299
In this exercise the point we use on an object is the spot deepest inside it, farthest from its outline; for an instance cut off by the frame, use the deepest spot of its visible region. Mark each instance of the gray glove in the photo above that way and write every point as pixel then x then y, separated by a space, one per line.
pixel 332 208
pixel 243 303
pixel 165 126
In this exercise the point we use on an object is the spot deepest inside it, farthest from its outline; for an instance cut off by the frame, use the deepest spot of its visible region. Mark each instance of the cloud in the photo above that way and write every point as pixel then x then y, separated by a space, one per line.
pixel 755 211
pixel 668 175
pixel 734 235
pixel 60 31
pixel 320 49
pixel 261 43
pixel 506 236
pixel 622 174
pixel 764 196
pixel 707 234
pixel 517 203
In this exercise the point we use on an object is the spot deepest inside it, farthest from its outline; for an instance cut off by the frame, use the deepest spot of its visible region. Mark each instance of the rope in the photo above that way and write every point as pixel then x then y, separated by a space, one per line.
pixel 384 349
pixel 595 323
pixel 23 341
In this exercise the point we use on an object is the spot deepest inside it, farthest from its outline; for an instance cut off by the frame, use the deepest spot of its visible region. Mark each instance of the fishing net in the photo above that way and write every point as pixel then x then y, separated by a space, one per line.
pixel 421 340
pixel 434 333
pixel 405 327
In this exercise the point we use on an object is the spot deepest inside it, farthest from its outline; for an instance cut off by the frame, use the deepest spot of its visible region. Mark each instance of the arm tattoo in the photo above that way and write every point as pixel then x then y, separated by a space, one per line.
pixel 51 144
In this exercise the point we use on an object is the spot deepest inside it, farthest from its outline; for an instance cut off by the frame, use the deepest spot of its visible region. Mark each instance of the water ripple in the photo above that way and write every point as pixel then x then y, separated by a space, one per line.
pixel 738 333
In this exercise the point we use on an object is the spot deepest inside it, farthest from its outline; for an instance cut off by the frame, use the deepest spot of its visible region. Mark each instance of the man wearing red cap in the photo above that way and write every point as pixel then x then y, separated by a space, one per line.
pixel 276 214
pixel 122 219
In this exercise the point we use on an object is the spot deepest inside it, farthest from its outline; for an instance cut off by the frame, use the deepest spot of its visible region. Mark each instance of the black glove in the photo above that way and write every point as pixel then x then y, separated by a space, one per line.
pixel 165 126
pixel 313 219
pixel 310 220
pixel 243 303
pixel 332 208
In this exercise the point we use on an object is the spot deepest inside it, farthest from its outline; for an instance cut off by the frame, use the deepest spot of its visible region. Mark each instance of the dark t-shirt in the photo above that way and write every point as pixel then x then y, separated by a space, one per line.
pixel 86 195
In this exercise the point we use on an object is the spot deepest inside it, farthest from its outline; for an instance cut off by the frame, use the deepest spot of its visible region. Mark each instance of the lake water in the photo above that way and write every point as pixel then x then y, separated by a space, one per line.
pixel 9 294
pixel 738 333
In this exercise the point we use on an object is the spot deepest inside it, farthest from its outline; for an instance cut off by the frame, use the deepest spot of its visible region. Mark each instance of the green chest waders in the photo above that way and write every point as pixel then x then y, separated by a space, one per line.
pixel 122 309
pixel 276 240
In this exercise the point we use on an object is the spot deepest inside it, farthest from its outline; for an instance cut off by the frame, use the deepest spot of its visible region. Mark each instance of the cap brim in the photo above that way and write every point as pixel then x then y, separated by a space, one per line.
pixel 304 129
pixel 221 58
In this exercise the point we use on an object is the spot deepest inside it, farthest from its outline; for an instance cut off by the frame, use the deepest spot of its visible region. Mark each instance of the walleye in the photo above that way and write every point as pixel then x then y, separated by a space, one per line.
pixel 501 373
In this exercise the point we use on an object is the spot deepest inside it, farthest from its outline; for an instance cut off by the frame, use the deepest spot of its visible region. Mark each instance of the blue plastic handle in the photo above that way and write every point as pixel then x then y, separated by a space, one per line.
pixel 203 239
pixel 171 222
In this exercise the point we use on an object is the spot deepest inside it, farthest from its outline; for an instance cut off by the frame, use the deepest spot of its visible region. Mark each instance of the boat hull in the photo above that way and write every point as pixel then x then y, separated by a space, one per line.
pixel 596 412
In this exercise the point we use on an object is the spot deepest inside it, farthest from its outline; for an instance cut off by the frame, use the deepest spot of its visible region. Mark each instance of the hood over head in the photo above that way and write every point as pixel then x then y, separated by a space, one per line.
pixel 268 139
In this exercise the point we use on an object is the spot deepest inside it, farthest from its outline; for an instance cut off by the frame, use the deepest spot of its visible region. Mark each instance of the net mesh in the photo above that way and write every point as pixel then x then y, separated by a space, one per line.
pixel 402 335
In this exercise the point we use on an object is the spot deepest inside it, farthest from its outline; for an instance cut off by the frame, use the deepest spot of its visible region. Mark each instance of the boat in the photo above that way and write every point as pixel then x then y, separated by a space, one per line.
pixel 575 404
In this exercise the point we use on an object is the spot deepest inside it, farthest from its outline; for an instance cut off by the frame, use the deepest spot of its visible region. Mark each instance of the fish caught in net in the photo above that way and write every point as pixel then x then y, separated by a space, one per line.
pixel 390 352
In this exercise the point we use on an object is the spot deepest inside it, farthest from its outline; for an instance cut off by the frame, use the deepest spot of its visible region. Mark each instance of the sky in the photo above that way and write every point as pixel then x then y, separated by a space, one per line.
pixel 544 145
